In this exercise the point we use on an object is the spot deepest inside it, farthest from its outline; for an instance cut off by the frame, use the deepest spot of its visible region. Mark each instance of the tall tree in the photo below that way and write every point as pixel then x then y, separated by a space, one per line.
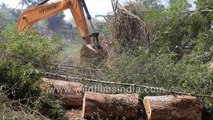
pixel 152 4
pixel 176 6
pixel 150 10
pixel 205 4
pixel 29 2
pixel 6 18
pixel 55 22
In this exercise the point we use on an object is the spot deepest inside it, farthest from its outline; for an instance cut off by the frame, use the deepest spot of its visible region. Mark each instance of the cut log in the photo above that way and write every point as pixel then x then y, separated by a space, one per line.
pixel 109 105
pixel 172 108
pixel 70 92
pixel 73 115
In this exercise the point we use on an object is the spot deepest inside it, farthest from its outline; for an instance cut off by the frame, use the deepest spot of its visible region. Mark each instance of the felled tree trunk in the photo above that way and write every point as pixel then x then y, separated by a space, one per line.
pixel 172 108
pixel 108 105
pixel 70 92
pixel 73 115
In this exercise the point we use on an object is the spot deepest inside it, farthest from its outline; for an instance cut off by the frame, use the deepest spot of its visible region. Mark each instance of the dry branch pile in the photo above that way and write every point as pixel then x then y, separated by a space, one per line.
pixel 129 29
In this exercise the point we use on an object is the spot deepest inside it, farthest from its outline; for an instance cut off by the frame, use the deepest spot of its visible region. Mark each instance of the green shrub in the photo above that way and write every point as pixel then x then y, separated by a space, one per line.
pixel 22 58
pixel 190 74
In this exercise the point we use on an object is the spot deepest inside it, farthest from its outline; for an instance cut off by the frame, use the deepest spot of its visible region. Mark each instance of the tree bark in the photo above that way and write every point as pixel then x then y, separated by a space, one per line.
pixel 109 105
pixel 73 115
pixel 172 108
pixel 70 92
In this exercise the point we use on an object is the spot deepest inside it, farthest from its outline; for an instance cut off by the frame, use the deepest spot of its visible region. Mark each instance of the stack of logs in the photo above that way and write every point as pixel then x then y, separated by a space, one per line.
pixel 95 105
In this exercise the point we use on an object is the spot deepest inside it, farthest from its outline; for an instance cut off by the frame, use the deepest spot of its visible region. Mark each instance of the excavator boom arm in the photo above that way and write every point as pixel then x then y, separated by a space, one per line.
pixel 37 13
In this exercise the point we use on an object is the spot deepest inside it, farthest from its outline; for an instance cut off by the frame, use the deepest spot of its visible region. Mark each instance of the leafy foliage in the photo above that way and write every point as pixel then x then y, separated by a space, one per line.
pixel 181 47
pixel 8 15
pixel 177 57
pixel 21 56
pixel 204 4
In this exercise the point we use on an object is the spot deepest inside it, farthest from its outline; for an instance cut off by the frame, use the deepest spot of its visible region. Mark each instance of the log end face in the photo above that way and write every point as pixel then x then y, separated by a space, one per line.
pixel 147 107
pixel 83 106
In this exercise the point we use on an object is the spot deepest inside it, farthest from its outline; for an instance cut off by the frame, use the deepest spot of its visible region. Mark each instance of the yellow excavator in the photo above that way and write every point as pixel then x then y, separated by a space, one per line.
pixel 44 10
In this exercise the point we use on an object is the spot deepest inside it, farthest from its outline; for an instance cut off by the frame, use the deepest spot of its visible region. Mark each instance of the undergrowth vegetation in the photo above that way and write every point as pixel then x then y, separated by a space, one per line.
pixel 179 53
pixel 175 55
pixel 23 57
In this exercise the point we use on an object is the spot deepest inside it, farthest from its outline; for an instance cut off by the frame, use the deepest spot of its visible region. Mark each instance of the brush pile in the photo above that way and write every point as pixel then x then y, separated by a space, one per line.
pixel 130 30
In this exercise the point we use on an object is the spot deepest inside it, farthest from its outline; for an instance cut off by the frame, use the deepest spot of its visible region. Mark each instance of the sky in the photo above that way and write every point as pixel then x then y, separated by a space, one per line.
pixel 96 7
